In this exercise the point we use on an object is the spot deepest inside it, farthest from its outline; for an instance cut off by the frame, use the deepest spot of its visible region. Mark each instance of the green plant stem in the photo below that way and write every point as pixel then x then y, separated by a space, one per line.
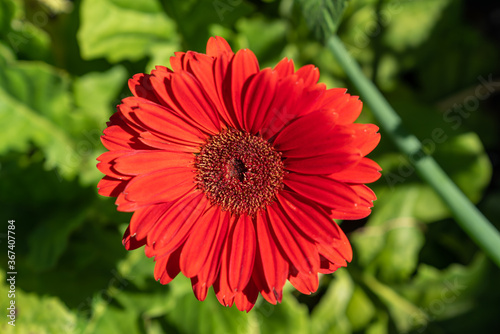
pixel 471 220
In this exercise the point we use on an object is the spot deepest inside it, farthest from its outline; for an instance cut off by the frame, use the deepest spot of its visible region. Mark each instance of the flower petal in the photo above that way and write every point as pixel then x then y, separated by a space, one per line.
pixel 195 105
pixel 274 266
pixel 308 217
pixel 210 270
pixel 366 137
pixel 242 254
pixel 258 99
pixel 130 241
pixel 323 190
pixel 167 267
pixel 284 68
pixel 217 46
pixel 313 134
pixel 140 85
pixel 243 66
pixel 323 164
pixel 200 242
pixel 166 124
pixel 160 186
pixel 300 251
pixel 144 219
pixel 175 225
pixel 245 299
pixel 143 162
pixel 366 171
pixel 309 73
pixel 306 283
pixel 111 187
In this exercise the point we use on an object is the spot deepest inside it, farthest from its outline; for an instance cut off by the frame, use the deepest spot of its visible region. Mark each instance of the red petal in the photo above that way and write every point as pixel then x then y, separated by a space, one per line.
pixel 223 87
pixel 284 68
pixel 367 197
pixel 217 46
pixel 242 254
pixel 202 67
pixel 141 86
pixel 131 242
pixel 274 266
pixel 282 110
pixel 309 73
pixel 328 267
pixel 143 162
pixel 223 291
pixel 300 251
pixel 322 189
pixel 366 171
pixel 107 164
pixel 167 267
pixel 330 254
pixel 176 224
pixel 156 141
pixel 160 186
pixel 200 242
pixel 200 289
pixel 177 61
pixel 348 107
pixel 311 219
pixel 126 205
pixel 243 66
pixel 306 102
pixel 161 85
pixel 210 270
pixel 245 300
pixel 313 134
pixel 111 187
pixel 258 99
pixel 164 122
pixel 144 219
pixel 195 105
pixel 323 164
pixel 306 283
pixel 366 136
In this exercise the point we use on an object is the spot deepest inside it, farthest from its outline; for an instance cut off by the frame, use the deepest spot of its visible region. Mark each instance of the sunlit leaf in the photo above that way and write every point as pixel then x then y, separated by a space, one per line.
pixel 123 29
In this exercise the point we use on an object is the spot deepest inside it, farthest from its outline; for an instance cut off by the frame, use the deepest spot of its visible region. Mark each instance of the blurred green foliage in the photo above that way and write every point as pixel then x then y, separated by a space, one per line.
pixel 63 68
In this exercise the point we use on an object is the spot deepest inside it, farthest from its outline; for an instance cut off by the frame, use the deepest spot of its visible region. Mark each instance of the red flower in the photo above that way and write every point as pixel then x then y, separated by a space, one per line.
pixel 235 174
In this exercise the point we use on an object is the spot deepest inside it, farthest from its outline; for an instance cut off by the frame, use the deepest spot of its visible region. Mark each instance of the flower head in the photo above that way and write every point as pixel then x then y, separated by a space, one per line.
pixel 235 174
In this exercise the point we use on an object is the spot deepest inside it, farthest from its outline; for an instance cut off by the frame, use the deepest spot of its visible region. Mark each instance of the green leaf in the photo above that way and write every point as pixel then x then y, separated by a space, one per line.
pixel 7 10
pixel 50 238
pixel 95 97
pixel 400 308
pixel 390 249
pixel 34 314
pixel 329 316
pixel 442 294
pixel 26 38
pixel 123 29
pixel 323 16
pixel 410 23
pixel 192 316
pixel 95 91
pixel 360 310
pixel 264 37
pixel 288 317
pixel 203 14
pixel 35 102
pixel 107 319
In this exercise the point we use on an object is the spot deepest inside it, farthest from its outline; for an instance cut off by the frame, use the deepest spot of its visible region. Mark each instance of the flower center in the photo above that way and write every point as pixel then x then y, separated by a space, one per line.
pixel 238 171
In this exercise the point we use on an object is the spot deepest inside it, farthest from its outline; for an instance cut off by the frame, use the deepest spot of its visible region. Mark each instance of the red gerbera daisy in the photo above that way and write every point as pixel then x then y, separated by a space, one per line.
pixel 235 174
